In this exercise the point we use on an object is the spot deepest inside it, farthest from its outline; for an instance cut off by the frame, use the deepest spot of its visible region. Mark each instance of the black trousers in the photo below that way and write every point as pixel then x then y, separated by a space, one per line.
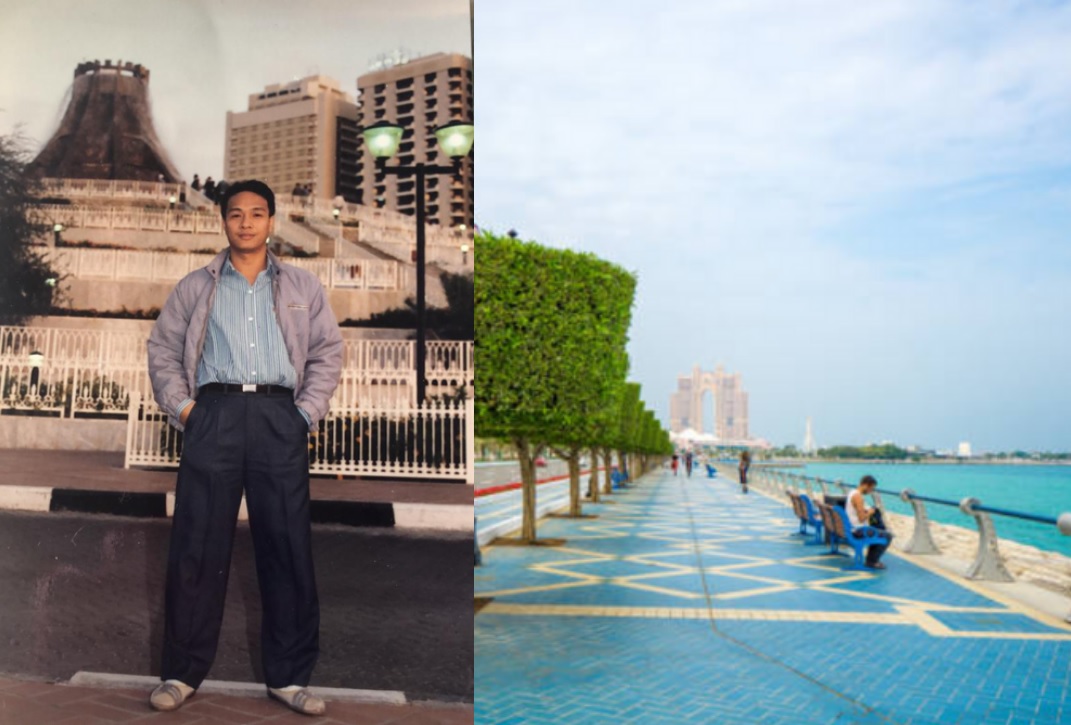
pixel 256 443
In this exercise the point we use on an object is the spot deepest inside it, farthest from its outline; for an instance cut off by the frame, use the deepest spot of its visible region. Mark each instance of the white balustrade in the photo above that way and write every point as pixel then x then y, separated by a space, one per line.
pixel 134 266
pixel 168 267
pixel 149 266
pixel 161 220
pixel 106 189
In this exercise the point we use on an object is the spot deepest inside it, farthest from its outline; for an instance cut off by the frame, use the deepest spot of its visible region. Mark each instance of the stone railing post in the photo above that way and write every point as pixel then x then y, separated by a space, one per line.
pixel 987 563
pixel 825 490
pixel 843 487
pixel 1063 523
pixel 921 539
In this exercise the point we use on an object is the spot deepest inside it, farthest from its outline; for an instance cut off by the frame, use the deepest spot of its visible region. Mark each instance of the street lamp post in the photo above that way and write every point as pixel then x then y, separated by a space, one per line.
pixel 455 139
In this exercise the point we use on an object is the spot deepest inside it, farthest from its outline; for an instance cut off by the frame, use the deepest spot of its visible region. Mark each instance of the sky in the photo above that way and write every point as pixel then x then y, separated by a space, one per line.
pixel 864 208
pixel 205 56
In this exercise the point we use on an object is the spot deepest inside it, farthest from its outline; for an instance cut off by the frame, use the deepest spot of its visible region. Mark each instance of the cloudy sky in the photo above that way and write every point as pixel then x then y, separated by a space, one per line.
pixel 862 207
pixel 205 56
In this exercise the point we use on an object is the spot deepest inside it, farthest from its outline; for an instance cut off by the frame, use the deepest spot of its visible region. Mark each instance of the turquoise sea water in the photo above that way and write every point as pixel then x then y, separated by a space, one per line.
pixel 1040 490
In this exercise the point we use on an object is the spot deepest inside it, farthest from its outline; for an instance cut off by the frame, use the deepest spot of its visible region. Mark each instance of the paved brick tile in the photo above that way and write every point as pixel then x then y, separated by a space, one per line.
pixel 260 706
pixel 688 602
pixel 211 707
pixel 101 711
pixel 25 702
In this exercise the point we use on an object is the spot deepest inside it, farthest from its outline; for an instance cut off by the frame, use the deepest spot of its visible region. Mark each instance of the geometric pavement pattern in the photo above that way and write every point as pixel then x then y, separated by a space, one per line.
pixel 687 601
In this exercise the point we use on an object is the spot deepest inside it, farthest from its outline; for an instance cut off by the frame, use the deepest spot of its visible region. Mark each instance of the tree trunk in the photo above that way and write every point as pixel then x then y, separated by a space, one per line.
pixel 593 480
pixel 574 482
pixel 608 456
pixel 622 462
pixel 528 489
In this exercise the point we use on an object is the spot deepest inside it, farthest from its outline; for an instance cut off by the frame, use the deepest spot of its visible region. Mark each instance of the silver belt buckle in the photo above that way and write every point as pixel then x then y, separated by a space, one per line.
pixel 249 388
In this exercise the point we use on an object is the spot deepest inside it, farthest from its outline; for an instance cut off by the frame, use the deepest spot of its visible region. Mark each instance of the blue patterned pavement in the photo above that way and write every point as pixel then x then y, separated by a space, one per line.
pixel 688 602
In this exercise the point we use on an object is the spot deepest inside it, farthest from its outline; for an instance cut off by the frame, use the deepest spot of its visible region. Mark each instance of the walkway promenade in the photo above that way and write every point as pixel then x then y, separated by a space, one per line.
pixel 686 601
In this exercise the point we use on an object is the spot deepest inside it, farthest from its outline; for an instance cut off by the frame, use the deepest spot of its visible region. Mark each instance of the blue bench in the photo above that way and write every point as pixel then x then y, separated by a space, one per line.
pixel 617 478
pixel 839 528
pixel 711 471
pixel 807 514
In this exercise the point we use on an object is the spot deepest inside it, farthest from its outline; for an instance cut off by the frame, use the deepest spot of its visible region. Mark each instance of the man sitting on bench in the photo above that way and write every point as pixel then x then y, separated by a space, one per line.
pixel 868 521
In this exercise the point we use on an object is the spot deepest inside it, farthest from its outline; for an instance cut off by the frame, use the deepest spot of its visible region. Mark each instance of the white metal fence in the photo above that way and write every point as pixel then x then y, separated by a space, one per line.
pixel 147 266
pixel 84 372
pixel 433 441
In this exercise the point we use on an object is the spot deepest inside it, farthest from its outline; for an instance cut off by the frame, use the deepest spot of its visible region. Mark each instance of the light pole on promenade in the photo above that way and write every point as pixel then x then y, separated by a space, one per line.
pixel 455 139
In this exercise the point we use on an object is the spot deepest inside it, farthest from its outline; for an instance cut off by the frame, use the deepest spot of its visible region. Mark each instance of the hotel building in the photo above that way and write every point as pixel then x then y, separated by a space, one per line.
pixel 420 95
pixel 303 132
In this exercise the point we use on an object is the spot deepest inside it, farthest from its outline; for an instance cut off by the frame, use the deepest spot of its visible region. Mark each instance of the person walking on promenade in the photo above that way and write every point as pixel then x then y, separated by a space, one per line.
pixel 688 463
pixel 244 357
pixel 196 184
pixel 676 463
pixel 868 521
pixel 745 464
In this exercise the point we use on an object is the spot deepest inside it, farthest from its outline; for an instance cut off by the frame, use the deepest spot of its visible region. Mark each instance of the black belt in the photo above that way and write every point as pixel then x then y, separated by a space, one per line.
pixel 238 388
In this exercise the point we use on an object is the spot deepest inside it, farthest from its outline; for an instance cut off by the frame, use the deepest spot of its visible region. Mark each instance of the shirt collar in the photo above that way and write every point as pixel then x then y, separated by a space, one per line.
pixel 228 267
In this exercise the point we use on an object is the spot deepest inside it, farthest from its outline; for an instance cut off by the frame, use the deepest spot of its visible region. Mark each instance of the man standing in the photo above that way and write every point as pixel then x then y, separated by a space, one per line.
pixel 244 357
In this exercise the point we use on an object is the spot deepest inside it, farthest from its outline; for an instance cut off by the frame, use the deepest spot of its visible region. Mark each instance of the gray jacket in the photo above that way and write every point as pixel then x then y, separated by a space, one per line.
pixel 305 319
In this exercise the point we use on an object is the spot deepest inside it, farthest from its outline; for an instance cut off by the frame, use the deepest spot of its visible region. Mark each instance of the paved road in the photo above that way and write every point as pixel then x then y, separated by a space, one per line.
pixel 499 473
pixel 86 593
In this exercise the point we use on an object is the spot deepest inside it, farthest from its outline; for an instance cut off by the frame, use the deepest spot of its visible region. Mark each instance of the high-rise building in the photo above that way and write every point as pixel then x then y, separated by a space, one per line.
pixel 298 133
pixel 420 96
pixel 730 403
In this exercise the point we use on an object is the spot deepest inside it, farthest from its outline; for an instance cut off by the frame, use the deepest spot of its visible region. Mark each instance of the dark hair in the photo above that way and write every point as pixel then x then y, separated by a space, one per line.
pixel 868 479
pixel 257 187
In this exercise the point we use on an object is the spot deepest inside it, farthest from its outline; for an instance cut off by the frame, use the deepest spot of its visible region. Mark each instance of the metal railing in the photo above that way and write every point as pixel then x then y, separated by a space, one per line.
pixel 94 371
pixel 988 564
pixel 449 358
pixel 432 441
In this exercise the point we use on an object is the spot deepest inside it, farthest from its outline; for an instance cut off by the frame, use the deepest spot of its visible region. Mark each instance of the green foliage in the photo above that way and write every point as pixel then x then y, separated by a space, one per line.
pixel 551 328
pixel 24 278
pixel 885 452
pixel 455 322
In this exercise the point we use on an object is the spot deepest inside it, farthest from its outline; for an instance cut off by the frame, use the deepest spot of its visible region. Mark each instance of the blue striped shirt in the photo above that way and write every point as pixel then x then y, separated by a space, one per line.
pixel 243 343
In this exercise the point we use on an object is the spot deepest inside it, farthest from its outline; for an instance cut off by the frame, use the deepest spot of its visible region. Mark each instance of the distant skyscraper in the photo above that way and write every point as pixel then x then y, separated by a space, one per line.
pixel 419 95
pixel 730 403
pixel 808 439
pixel 303 132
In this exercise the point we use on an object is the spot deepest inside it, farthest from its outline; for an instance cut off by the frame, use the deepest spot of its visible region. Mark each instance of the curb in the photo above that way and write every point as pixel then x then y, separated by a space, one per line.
pixel 237 689
pixel 162 505
pixel 486 535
